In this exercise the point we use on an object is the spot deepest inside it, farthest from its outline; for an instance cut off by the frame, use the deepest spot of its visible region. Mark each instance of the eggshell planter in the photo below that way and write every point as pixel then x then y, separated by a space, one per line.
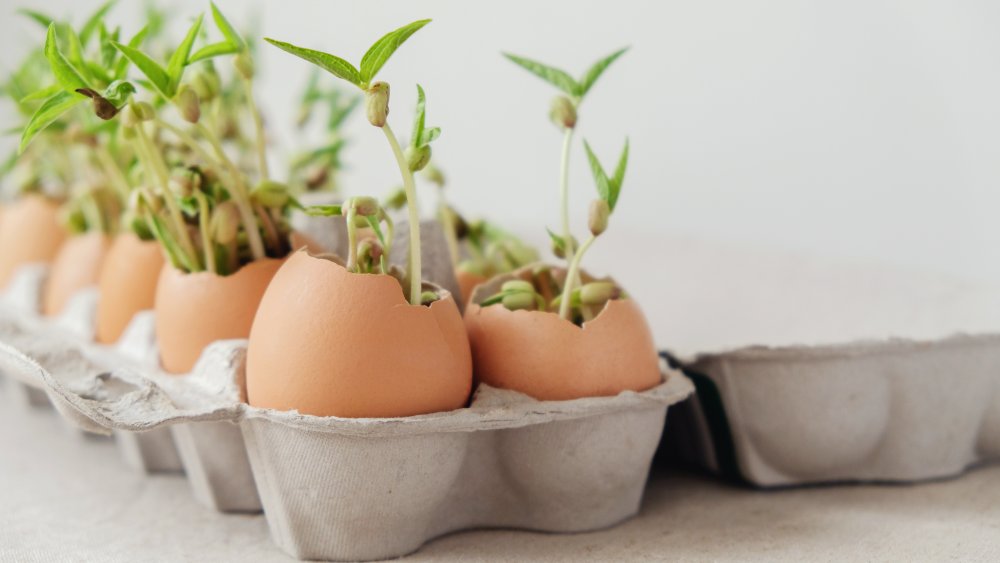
pixel 467 282
pixel 547 357
pixel 77 266
pixel 127 284
pixel 890 411
pixel 195 309
pixel 392 359
pixel 30 233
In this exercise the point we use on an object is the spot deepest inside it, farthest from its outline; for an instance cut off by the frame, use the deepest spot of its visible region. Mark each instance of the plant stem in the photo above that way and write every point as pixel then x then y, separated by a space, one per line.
pixel 413 264
pixel 242 198
pixel 113 171
pixel 204 217
pixel 259 126
pixel 154 161
pixel 571 276
pixel 352 239
pixel 564 191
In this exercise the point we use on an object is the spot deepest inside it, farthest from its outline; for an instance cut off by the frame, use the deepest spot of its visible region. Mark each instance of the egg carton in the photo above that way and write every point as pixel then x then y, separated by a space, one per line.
pixel 349 489
pixel 876 411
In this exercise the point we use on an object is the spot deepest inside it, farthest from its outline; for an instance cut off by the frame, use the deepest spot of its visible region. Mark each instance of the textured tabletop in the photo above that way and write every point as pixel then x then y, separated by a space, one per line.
pixel 65 497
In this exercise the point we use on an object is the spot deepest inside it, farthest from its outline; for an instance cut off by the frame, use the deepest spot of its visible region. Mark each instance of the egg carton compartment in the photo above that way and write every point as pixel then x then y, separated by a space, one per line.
pixel 890 411
pixel 349 489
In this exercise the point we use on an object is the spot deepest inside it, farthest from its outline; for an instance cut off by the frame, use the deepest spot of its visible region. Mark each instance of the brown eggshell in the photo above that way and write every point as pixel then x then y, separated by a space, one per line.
pixel 76 266
pixel 328 342
pixel 30 232
pixel 542 355
pixel 194 310
pixel 467 281
pixel 127 284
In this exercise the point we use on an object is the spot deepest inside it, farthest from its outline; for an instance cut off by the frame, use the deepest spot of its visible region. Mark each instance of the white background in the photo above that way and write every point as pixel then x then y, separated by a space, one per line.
pixel 866 129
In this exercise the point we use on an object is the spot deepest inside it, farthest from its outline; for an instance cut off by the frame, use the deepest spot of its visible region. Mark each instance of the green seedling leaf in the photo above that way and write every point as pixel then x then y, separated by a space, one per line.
pixel 591 76
pixel 157 76
pixel 108 52
pixel 94 21
pixel 213 50
pixel 179 59
pixel 42 19
pixel 557 241
pixel 558 78
pixel 418 117
pixel 600 177
pixel 381 50
pixel 74 49
pixel 608 188
pixel 97 72
pixel 118 92
pixel 47 113
pixel 428 136
pixel 122 64
pixel 330 63
pixel 228 31
pixel 66 75
pixel 324 210
pixel 43 94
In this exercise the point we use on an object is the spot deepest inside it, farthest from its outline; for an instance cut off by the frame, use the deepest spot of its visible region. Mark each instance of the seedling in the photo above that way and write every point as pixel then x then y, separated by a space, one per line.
pixel 376 94
pixel 564 112
pixel 574 300
pixel 316 169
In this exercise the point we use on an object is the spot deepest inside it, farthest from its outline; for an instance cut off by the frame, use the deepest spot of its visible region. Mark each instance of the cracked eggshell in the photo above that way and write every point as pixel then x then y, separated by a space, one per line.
pixel 327 342
pixel 30 232
pixel 194 310
pixel 76 266
pixel 127 284
pixel 551 359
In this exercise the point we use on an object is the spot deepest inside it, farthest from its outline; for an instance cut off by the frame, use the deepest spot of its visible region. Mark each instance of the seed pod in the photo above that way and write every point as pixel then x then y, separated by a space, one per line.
pixel 270 194
pixel 518 301
pixel 598 293
pixel 316 176
pixel 365 206
pixel 563 112
pixel 244 65
pixel 206 85
pixel 225 223
pixel 428 297
pixel 560 251
pixel 144 111
pixel 434 175
pixel 377 103
pixel 417 157
pixel 518 285
pixel 599 213
pixel 395 200
pixel 187 102
pixel 102 107
pixel 180 185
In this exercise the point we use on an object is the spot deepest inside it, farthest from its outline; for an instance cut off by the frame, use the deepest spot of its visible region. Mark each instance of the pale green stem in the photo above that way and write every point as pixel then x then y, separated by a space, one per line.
pixel 259 126
pixel 564 192
pixel 413 265
pixel 352 239
pixel 204 220
pixel 92 211
pixel 160 168
pixel 571 276
pixel 242 197
pixel 113 171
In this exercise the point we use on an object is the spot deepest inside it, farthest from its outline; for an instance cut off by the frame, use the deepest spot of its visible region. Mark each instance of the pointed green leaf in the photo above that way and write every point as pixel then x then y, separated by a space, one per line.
pixel 108 51
pixel 97 72
pixel 47 113
pixel 67 76
pixel 595 71
pixel 213 50
pixel 178 60
pixel 381 50
pixel 94 21
pixel 557 241
pixel 134 43
pixel 153 71
pixel 428 136
pixel 619 177
pixel 118 92
pixel 418 117
pixel 228 31
pixel 43 94
pixel 600 177
pixel 74 49
pixel 558 78
pixel 330 63
pixel 42 19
